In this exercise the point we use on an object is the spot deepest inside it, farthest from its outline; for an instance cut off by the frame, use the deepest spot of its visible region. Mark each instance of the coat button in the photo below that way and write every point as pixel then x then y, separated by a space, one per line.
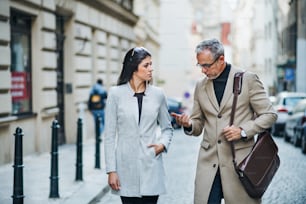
pixel 219 141
pixel 219 115
pixel 214 165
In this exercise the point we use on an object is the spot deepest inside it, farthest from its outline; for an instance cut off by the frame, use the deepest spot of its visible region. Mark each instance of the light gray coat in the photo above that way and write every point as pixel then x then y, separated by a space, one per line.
pixel 140 171
pixel 215 151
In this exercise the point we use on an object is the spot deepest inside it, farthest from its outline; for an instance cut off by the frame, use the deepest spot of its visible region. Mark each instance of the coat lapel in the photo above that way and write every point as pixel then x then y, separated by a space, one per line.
pixel 209 88
pixel 133 103
pixel 228 91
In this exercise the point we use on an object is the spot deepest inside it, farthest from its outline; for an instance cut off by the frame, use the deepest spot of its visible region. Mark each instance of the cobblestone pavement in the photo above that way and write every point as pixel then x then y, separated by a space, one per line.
pixel 289 184
pixel 287 187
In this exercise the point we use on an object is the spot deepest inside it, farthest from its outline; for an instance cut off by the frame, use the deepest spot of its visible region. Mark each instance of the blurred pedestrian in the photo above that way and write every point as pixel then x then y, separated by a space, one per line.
pixel 216 177
pixel 96 102
pixel 133 145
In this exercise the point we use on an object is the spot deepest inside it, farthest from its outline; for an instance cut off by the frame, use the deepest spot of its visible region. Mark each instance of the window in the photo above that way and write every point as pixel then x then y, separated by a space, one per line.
pixel 21 90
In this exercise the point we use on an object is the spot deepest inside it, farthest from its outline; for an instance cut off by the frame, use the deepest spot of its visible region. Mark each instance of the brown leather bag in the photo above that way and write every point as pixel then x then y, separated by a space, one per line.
pixel 259 167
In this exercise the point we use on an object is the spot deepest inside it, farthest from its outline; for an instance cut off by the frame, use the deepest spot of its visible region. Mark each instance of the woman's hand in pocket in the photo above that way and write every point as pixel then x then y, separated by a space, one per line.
pixel 158 148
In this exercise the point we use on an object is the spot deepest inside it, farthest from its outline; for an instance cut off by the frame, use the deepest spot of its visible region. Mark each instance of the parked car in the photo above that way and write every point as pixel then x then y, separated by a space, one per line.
pixel 303 137
pixel 176 107
pixel 294 123
pixel 272 99
pixel 284 103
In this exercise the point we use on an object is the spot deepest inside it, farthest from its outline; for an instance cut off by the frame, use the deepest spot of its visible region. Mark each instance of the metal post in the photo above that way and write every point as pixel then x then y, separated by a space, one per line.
pixel 79 159
pixel 54 161
pixel 97 155
pixel 18 169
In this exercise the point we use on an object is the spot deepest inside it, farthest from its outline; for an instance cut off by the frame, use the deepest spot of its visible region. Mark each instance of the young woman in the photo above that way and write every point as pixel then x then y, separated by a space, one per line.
pixel 135 110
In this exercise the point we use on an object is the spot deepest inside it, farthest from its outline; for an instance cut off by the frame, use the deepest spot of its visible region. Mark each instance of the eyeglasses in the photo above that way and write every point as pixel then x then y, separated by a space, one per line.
pixel 207 66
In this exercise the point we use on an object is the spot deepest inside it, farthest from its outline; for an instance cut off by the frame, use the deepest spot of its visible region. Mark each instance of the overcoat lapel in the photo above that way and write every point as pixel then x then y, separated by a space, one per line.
pixel 135 110
pixel 228 91
pixel 209 88
pixel 133 104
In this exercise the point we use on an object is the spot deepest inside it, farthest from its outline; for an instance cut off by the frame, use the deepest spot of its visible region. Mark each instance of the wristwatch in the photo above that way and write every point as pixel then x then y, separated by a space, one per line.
pixel 243 134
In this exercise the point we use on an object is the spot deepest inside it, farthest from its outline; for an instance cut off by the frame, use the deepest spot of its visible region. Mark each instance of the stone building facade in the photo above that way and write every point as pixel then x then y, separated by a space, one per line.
pixel 52 52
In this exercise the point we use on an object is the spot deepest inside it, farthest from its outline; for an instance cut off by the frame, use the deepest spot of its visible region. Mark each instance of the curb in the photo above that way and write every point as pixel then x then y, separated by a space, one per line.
pixel 100 195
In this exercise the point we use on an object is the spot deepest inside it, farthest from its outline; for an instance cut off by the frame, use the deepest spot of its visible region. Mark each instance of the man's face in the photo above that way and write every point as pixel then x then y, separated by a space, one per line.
pixel 211 67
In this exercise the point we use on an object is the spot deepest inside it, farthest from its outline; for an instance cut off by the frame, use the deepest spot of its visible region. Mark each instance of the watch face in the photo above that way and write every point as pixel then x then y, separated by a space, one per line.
pixel 243 134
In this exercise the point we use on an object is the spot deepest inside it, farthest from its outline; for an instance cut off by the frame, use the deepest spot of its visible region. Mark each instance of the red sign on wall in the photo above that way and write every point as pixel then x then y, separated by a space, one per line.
pixel 19 86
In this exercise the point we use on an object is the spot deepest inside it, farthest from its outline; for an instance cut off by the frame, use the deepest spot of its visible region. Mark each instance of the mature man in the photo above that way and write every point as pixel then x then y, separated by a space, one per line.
pixel 213 96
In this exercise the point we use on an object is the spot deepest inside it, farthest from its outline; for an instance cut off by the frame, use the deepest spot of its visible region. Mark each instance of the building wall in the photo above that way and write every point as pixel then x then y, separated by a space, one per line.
pixel 147 31
pixel 301 47
pixel 242 34
pixel 94 45
pixel 258 39
pixel 269 45
pixel 177 49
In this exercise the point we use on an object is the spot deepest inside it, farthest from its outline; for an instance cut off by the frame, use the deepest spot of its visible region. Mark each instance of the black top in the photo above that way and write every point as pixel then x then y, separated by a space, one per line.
pixel 139 99
pixel 220 82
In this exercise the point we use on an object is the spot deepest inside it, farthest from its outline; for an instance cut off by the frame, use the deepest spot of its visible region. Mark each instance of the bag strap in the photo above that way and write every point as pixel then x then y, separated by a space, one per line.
pixel 236 90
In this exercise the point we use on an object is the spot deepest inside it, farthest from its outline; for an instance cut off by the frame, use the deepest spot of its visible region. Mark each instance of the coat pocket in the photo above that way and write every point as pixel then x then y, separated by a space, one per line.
pixel 152 152
pixel 243 144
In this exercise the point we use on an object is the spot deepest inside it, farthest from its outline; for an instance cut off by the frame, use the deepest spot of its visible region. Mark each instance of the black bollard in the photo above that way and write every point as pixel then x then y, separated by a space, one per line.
pixel 54 161
pixel 18 169
pixel 97 155
pixel 79 159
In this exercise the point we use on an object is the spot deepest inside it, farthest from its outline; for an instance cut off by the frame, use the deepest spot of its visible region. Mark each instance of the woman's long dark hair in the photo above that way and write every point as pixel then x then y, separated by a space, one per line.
pixel 130 63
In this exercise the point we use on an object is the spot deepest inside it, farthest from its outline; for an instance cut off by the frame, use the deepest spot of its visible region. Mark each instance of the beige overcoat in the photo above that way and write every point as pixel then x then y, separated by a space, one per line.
pixel 215 151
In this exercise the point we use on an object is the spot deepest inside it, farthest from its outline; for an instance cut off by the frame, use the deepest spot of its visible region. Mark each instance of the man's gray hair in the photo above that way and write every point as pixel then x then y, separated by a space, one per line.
pixel 213 45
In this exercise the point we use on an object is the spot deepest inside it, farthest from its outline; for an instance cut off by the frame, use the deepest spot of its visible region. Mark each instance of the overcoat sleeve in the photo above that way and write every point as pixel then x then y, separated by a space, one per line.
pixel 110 131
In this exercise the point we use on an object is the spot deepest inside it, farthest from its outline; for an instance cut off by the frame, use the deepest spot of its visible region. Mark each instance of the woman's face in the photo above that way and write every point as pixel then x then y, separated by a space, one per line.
pixel 144 72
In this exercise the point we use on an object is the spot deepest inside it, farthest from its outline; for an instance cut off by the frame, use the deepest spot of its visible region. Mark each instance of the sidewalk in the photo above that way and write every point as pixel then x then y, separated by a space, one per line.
pixel 36 173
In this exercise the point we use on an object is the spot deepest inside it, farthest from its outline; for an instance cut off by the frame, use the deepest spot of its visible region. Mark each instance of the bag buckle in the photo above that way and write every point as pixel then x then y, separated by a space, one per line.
pixel 240 173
